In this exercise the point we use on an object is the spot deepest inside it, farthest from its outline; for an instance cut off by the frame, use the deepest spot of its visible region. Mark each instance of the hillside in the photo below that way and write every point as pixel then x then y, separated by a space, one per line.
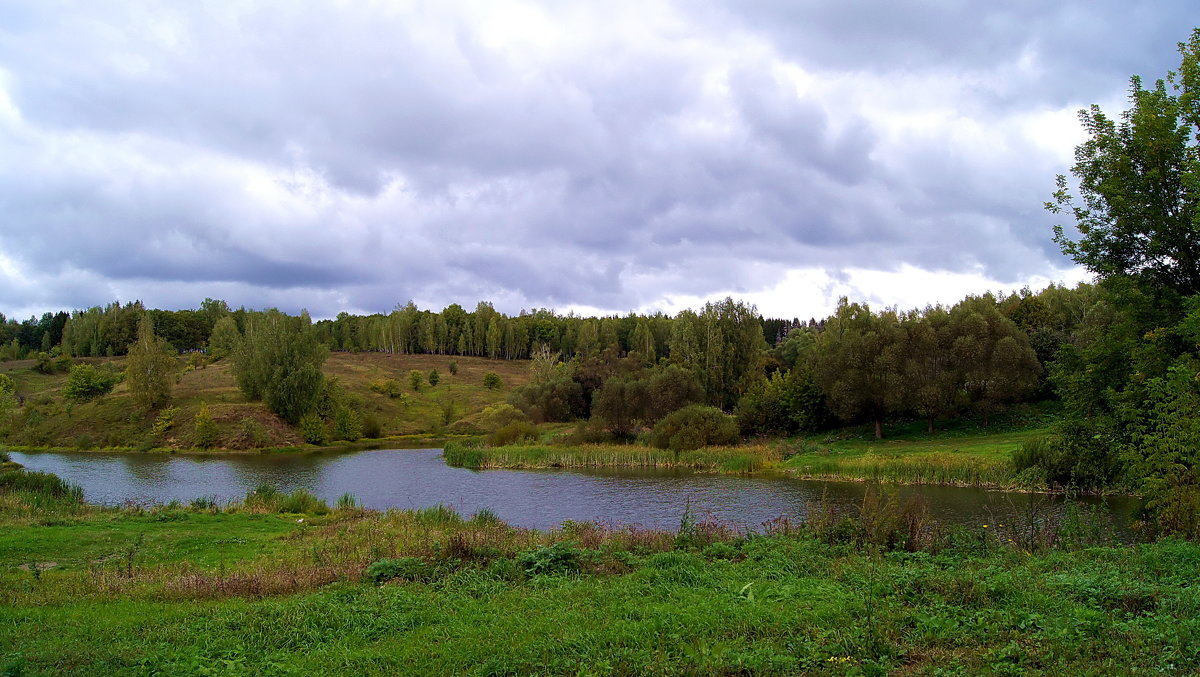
pixel 113 421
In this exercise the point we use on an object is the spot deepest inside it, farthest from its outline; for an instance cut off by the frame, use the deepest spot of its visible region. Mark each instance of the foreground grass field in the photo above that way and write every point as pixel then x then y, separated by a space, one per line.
pixel 251 589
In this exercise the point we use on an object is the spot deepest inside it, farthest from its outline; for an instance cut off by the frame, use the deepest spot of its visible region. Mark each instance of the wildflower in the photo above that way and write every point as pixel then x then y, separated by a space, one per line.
pixel 985 526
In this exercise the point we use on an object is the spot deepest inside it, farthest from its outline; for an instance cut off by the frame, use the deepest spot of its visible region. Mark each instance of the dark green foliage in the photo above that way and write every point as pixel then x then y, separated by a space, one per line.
pixel 462 455
pixel 371 427
pixel 491 381
pixel 204 432
pixel 693 427
pixel 1140 184
pixel 279 362
pixel 722 346
pixel 44 483
pixel 8 395
pixel 517 431
pixel 784 404
pixel 628 402
pixel 312 429
pixel 555 398
pixel 86 383
pixel 402 568
pixel 434 377
pixel 859 363
pixel 47 363
pixel 559 559
pixel 453 368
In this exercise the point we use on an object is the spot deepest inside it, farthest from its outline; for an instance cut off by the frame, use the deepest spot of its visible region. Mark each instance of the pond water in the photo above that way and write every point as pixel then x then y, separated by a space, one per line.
pixel 418 478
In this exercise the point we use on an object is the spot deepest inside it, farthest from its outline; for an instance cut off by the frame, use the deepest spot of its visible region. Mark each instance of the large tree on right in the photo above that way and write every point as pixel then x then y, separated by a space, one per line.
pixel 1139 184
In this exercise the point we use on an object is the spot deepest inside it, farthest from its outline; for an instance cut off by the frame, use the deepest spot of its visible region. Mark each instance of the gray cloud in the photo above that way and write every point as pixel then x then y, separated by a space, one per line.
pixel 353 157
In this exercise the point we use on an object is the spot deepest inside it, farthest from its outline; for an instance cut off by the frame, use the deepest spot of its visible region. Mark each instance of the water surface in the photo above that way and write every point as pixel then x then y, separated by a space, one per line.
pixel 418 478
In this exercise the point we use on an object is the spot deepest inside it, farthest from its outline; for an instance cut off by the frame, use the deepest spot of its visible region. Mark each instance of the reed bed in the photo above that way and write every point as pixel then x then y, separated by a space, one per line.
pixel 943 468
pixel 738 459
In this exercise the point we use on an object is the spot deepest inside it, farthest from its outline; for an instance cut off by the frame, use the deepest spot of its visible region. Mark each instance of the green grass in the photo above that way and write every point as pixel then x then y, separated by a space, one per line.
pixel 242 593
pixel 112 422
pixel 735 459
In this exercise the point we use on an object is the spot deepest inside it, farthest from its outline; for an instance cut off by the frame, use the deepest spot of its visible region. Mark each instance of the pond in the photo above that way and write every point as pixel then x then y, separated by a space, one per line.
pixel 418 478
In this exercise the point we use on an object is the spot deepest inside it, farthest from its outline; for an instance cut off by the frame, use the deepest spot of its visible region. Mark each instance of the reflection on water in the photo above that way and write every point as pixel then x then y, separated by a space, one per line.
pixel 417 478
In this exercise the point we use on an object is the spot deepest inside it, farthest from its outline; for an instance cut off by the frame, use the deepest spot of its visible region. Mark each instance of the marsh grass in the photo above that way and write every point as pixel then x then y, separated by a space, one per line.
pixel 738 459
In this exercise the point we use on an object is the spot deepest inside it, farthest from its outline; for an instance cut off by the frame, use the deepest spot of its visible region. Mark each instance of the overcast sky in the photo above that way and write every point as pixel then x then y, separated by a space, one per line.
pixel 590 156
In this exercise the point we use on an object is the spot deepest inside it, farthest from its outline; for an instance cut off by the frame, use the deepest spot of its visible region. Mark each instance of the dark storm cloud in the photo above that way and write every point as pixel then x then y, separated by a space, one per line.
pixel 355 156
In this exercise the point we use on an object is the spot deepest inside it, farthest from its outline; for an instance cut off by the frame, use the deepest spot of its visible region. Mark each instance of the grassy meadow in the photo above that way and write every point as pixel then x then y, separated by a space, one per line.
pixel 113 422
pixel 283 584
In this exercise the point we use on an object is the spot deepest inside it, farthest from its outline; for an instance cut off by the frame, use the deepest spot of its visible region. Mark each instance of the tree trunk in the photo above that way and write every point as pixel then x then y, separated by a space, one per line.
pixel 931 430
pixel 879 429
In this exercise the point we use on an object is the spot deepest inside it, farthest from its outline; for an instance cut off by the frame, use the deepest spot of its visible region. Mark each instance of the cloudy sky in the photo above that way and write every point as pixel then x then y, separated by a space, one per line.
pixel 590 156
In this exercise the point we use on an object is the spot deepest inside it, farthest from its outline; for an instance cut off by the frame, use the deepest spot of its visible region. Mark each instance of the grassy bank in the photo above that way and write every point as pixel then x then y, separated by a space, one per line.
pixel 47 420
pixel 257 588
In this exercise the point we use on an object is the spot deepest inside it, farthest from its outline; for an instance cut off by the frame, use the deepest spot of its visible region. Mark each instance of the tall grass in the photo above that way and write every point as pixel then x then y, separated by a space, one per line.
pixel 722 459
pixel 927 468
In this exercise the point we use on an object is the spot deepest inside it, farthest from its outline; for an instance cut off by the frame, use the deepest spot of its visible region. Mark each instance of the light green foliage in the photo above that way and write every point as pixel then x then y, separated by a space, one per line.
pixel 415 380
pixel 434 377
pixel 279 362
pixel 693 427
pixel 387 386
pixel 164 421
pixel 86 383
pixel 312 429
pixel 499 415
pixel 150 368
pixel 8 395
pixel 491 381
pixel 453 368
pixel 204 431
pixel 250 435
pixel 225 338
pixel 347 424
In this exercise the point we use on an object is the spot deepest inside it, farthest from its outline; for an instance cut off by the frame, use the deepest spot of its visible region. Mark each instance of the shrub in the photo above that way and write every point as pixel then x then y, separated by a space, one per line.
pixel 453 368
pixel 347 425
pixel 347 501
pixel 434 377
pixel 491 381
pixel 47 484
pixel 312 428
pixel 550 560
pixel 250 435
pixel 86 383
pixel 371 427
pixel 415 380
pixel 693 427
pixel 387 386
pixel 517 431
pixel 497 416
pixel 204 432
pixel 164 421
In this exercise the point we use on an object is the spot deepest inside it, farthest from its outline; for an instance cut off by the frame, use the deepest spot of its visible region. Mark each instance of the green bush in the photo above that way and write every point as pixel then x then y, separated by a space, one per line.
pixel 434 377
pixel 453 368
pixel 491 381
pixel 415 380
pixel 517 431
pixel 204 432
pixel 312 429
pixel 693 427
pixel 86 383
pixel 497 416
pixel 559 559
pixel 387 386
pixel 371 427
pixel 347 425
